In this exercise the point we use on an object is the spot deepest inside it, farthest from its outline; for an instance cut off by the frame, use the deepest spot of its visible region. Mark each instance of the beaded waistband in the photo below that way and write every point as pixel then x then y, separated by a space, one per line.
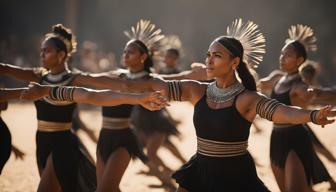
pixel 52 126
pixel 221 149
pixel 116 123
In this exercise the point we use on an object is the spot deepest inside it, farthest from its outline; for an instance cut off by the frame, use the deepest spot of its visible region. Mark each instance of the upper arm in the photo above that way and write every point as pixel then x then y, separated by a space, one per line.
pixel 267 83
pixel 302 91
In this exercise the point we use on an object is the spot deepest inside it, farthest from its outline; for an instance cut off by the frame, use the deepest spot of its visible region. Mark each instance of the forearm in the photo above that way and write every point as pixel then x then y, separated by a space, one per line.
pixel 291 115
pixel 178 76
pixel 10 93
pixel 101 81
pixel 104 97
pixel 324 96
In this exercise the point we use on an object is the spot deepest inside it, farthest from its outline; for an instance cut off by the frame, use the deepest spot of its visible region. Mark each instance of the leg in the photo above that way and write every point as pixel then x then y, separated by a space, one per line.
pixel 49 181
pixel 173 149
pixel 99 168
pixel 295 177
pixel 114 170
pixel 154 142
pixel 279 175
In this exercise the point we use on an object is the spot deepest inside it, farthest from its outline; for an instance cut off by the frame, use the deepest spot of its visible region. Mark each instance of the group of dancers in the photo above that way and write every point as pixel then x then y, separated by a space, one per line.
pixel 225 99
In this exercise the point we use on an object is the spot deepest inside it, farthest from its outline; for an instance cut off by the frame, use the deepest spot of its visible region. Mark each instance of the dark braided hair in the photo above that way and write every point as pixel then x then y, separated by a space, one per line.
pixel 148 63
pixel 299 49
pixel 237 50
pixel 63 39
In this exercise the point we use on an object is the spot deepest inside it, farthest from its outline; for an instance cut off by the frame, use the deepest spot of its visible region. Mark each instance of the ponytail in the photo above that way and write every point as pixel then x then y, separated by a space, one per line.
pixel 246 76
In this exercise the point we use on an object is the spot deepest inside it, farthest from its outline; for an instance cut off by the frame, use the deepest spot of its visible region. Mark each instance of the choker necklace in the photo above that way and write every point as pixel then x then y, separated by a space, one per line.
pixel 57 77
pixel 221 95
pixel 136 75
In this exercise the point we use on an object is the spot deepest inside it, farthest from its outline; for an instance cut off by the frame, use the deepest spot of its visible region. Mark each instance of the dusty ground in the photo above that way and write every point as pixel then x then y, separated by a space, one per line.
pixel 22 176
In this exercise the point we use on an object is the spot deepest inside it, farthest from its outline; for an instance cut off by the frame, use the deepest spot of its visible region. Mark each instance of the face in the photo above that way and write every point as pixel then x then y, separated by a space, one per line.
pixel 219 61
pixel 289 61
pixel 170 59
pixel 132 57
pixel 50 56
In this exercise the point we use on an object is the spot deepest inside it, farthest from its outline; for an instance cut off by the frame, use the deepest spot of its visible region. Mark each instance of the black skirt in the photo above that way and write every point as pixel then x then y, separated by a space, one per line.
pixel 150 122
pixel 112 139
pixel 5 144
pixel 73 169
pixel 320 171
pixel 212 174
pixel 293 138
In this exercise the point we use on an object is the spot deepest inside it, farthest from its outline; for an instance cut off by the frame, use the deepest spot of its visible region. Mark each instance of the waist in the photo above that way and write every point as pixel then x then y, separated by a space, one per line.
pixel 213 148
pixel 116 123
pixel 49 126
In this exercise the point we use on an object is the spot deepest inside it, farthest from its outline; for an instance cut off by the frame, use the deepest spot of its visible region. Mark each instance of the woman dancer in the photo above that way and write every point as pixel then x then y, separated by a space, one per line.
pixel 62 166
pixel 292 156
pixel 5 136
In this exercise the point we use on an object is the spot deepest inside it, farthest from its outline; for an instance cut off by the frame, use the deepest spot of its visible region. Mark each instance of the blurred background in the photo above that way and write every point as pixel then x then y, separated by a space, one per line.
pixel 99 26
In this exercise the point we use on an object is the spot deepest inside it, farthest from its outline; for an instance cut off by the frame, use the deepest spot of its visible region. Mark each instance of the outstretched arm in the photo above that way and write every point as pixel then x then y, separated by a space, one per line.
pixel 10 93
pixel 280 113
pixel 151 100
pixel 25 74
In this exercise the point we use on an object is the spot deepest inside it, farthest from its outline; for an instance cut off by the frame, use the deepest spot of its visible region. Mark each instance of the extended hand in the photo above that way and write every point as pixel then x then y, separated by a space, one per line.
pixel 35 91
pixel 323 114
pixel 153 100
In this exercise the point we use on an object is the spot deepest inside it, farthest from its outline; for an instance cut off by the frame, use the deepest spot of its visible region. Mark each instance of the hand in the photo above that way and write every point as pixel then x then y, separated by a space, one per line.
pixel 198 72
pixel 18 153
pixel 153 100
pixel 35 91
pixel 3 105
pixel 323 114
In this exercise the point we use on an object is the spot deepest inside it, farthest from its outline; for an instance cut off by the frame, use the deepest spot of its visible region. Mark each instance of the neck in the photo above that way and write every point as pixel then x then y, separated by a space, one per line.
pixel 57 70
pixel 227 81
pixel 136 69
pixel 292 73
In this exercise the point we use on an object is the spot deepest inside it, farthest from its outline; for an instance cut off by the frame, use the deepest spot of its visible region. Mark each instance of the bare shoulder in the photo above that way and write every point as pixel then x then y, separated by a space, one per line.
pixel 250 98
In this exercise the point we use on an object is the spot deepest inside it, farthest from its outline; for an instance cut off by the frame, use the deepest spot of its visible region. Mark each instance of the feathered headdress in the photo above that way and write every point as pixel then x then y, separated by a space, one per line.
pixel 145 32
pixel 252 40
pixel 171 42
pixel 304 34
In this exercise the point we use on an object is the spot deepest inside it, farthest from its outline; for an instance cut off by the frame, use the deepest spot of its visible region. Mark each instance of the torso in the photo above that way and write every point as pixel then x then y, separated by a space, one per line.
pixel 55 111
pixel 223 124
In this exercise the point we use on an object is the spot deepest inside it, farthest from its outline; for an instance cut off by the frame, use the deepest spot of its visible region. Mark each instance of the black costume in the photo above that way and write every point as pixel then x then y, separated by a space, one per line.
pixel 5 144
pixel 212 172
pixel 285 138
pixel 54 137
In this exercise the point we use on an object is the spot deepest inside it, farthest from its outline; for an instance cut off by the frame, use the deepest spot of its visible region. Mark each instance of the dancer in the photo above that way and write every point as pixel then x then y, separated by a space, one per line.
pixel 291 152
pixel 61 164
pixel 5 136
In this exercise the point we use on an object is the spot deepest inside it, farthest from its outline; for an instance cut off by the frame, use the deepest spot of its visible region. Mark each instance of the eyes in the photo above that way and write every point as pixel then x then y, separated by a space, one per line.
pixel 216 55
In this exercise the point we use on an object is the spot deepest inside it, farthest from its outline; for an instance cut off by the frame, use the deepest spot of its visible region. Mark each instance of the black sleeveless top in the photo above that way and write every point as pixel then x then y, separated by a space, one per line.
pixel 55 111
pixel 225 124
pixel 285 96
pixel 120 111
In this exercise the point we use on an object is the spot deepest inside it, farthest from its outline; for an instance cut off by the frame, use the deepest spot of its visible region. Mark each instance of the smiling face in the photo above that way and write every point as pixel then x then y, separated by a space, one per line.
pixel 219 61
pixel 50 56
pixel 289 60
